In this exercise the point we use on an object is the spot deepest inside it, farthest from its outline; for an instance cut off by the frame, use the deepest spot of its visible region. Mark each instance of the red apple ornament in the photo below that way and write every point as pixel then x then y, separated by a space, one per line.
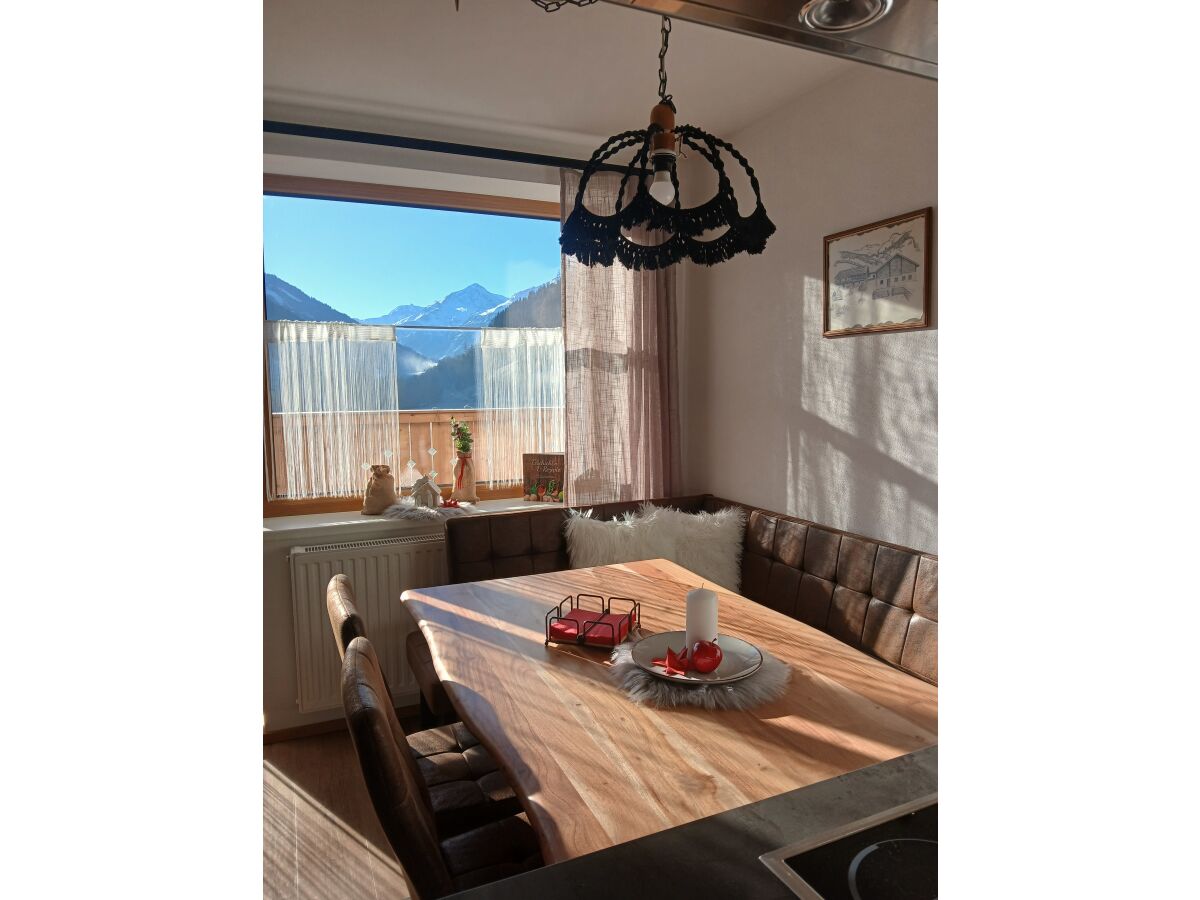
pixel 705 657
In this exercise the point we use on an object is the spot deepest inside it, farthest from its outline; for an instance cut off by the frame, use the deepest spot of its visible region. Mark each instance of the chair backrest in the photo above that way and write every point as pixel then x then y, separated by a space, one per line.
pixel 344 619
pixel 390 773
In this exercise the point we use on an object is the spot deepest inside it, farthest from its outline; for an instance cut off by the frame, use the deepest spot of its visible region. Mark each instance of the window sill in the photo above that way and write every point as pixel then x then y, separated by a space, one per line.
pixel 331 523
pixel 350 506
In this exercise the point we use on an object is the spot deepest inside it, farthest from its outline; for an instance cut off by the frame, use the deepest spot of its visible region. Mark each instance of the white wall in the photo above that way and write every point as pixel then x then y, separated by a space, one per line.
pixel 839 430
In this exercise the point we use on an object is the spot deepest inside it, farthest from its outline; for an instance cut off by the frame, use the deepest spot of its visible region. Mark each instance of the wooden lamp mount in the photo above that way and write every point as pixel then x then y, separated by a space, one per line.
pixel 663 115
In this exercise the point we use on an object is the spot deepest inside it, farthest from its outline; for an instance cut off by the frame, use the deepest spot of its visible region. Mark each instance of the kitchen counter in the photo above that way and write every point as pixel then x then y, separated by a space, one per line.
pixel 718 856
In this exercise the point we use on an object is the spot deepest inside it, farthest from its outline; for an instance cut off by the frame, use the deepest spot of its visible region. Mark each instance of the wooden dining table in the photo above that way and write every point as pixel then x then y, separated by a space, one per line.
pixel 592 768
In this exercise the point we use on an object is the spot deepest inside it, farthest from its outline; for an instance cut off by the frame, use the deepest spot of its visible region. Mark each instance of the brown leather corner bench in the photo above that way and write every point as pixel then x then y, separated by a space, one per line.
pixel 878 597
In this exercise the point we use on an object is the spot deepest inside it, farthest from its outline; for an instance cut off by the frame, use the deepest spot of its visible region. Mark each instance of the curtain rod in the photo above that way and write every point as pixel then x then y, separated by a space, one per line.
pixel 408 143
pixel 394 326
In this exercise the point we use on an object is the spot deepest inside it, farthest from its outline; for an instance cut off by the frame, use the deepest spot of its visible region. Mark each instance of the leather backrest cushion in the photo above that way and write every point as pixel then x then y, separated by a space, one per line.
pixel 878 597
pixel 525 543
pixel 505 545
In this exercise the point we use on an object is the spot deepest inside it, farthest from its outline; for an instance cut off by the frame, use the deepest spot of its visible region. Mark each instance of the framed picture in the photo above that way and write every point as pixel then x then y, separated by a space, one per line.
pixel 544 475
pixel 877 277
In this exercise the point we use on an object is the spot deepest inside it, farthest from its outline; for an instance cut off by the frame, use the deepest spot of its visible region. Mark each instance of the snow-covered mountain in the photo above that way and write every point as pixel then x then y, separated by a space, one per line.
pixel 473 305
pixel 286 301
pixel 437 369
pixel 400 314
pixel 410 362
pixel 456 308
pixel 539 307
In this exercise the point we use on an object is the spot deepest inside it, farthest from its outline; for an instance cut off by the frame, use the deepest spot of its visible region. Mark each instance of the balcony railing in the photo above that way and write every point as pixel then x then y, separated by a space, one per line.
pixel 409 434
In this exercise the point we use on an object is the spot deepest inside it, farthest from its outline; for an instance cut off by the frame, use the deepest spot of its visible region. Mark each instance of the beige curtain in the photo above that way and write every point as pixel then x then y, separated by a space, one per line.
pixel 622 408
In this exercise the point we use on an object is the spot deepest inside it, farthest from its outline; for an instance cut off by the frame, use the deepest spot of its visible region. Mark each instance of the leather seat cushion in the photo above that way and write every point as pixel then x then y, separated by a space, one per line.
pixel 494 851
pixel 464 785
pixel 420 660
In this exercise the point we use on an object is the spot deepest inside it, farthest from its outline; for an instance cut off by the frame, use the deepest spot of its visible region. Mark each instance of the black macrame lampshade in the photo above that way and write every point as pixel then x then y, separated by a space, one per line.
pixel 597 239
pixel 555 5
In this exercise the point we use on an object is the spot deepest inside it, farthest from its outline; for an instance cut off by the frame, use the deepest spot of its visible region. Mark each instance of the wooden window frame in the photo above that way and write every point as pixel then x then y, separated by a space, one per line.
pixel 391 195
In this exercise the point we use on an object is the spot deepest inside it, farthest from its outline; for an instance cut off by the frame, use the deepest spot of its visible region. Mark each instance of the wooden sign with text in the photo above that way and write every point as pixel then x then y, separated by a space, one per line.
pixel 544 474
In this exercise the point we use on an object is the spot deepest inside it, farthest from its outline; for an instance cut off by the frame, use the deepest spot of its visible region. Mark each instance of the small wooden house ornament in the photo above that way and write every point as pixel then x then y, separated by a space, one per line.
pixel 425 492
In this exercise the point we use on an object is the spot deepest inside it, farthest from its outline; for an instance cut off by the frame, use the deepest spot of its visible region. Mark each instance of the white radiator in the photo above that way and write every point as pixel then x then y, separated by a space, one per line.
pixel 380 571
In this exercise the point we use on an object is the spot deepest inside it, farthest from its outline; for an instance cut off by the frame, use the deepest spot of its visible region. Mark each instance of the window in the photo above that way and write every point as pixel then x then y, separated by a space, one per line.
pixel 385 320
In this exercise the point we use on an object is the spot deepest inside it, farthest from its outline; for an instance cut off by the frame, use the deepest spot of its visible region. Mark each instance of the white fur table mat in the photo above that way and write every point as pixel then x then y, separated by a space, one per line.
pixel 768 683
pixel 406 508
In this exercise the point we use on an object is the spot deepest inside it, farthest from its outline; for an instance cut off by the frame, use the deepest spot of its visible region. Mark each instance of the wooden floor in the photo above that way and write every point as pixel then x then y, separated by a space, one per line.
pixel 321 839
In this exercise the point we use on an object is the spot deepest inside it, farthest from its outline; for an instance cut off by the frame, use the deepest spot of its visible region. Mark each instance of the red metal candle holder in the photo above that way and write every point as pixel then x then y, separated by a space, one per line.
pixel 572 623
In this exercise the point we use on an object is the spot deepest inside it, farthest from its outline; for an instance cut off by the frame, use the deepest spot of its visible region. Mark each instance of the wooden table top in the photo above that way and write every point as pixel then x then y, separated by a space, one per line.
pixel 592 768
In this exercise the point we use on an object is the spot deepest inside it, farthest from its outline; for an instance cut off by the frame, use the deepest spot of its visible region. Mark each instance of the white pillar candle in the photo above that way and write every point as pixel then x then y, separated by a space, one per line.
pixel 701 616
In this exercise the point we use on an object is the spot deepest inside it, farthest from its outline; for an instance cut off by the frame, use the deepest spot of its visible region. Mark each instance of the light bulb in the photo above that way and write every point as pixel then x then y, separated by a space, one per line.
pixel 661 188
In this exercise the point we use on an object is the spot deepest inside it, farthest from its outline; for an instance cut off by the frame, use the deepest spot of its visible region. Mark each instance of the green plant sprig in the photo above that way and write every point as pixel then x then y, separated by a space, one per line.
pixel 460 433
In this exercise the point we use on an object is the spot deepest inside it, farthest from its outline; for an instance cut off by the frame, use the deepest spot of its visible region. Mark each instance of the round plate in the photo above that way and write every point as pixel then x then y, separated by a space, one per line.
pixel 738 658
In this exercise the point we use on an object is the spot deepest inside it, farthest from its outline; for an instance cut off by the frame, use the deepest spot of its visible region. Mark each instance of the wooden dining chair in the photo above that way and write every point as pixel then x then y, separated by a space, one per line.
pixel 435 866
pixel 462 784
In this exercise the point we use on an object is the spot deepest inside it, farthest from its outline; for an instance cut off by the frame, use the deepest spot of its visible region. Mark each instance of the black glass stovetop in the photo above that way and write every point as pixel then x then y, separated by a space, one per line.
pixel 892 860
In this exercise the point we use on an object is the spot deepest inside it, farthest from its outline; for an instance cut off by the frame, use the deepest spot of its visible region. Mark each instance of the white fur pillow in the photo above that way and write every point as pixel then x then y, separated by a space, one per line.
pixel 593 542
pixel 709 544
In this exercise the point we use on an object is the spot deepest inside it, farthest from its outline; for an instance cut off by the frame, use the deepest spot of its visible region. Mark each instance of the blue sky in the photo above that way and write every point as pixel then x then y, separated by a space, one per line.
pixel 365 259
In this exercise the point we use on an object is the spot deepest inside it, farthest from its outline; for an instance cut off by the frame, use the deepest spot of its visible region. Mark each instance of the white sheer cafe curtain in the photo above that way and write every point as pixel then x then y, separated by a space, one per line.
pixel 622 407
pixel 334 403
pixel 521 395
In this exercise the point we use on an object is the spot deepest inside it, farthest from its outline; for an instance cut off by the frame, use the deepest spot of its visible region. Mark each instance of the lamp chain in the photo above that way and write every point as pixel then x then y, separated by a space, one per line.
pixel 663 96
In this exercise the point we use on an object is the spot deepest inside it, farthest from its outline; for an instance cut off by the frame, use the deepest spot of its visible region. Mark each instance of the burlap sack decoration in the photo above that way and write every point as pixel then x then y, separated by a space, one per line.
pixel 381 491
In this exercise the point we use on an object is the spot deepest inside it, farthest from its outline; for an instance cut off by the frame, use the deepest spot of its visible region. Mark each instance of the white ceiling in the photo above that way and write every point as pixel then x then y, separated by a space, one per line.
pixel 506 72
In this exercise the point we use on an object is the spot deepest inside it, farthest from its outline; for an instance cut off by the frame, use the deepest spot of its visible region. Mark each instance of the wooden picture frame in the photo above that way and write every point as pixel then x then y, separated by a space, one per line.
pixel 879 277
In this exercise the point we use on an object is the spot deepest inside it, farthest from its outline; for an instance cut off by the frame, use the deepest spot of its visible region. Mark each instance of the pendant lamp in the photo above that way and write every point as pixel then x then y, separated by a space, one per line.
pixel 599 237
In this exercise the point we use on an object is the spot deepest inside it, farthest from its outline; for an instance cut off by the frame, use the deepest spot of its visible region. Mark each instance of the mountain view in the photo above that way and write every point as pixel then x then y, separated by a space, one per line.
pixel 288 302
pixel 436 369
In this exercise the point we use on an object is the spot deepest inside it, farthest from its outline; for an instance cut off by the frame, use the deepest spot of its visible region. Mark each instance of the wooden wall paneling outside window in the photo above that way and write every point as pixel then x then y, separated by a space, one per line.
pixel 329 189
